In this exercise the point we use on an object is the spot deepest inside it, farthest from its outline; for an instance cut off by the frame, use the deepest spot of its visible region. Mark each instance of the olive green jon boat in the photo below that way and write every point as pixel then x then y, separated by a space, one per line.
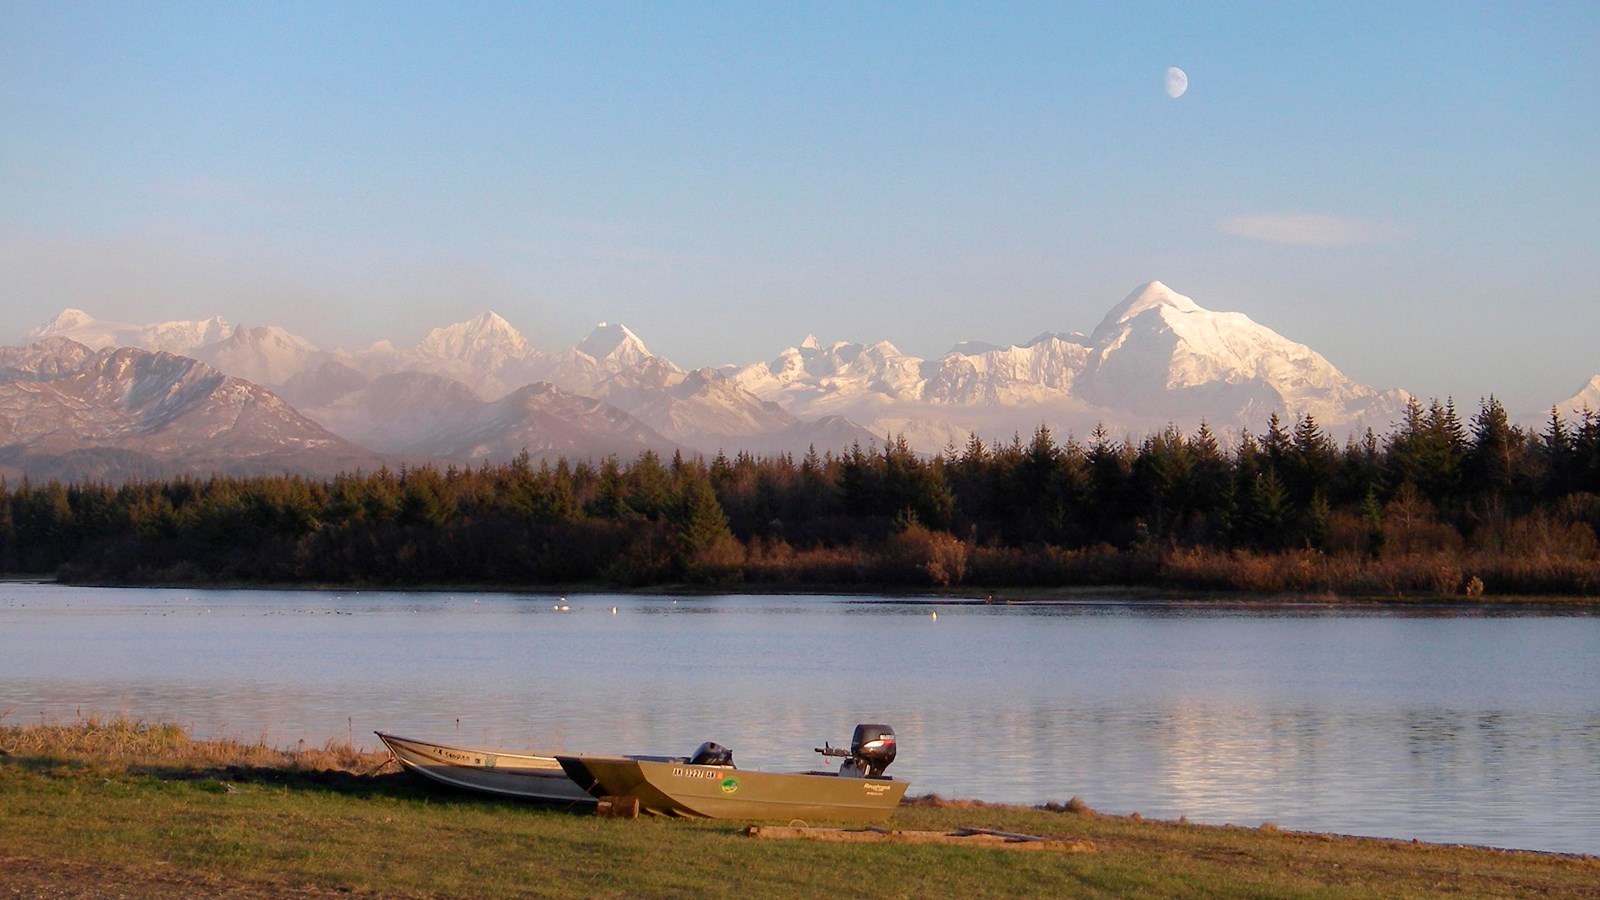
pixel 708 785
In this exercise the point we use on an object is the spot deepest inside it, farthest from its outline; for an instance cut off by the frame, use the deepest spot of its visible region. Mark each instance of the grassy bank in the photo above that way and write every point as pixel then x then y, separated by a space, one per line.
pixel 122 809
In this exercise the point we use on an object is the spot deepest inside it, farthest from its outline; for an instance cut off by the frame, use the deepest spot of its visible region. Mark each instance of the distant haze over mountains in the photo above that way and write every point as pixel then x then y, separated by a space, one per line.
pixel 480 390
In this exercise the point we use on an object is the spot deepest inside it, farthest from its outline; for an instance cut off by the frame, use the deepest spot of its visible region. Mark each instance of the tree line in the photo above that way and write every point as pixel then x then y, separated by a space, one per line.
pixel 1437 505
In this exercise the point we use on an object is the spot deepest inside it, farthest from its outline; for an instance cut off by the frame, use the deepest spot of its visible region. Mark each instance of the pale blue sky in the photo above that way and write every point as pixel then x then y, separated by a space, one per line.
pixel 1413 189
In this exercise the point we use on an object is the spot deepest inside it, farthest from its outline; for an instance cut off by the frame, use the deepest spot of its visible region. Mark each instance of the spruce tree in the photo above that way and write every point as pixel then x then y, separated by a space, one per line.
pixel 1555 449
pixel 1311 462
pixel 1208 484
pixel 1265 511
pixel 610 501
pixel 698 521
pixel 1492 458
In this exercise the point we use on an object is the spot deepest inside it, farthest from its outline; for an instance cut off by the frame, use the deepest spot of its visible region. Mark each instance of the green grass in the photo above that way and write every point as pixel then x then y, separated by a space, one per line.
pixel 129 806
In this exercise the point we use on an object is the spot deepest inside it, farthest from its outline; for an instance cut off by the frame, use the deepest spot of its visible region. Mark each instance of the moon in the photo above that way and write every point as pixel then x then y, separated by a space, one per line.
pixel 1177 82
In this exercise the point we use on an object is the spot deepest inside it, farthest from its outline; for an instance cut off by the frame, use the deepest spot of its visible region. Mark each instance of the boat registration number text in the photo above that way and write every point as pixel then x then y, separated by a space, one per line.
pixel 680 772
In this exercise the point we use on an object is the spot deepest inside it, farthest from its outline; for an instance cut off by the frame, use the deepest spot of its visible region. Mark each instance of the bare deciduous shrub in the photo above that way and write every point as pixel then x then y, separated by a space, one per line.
pixel 926 556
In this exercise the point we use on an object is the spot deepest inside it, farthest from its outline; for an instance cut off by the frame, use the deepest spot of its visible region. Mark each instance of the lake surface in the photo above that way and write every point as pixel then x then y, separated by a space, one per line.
pixel 1453 724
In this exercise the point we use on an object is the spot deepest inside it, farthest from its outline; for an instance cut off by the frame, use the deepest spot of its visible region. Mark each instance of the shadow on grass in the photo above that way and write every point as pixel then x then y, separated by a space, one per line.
pixel 377 783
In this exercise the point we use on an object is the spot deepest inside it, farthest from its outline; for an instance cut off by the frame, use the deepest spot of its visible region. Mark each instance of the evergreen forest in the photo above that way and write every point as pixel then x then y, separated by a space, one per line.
pixel 1437 506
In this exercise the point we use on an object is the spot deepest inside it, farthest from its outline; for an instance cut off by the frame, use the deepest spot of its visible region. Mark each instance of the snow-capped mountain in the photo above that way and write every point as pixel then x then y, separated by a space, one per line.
pixel 702 409
pixel 485 344
pixel 1156 357
pixel 481 387
pixel 614 347
pixel 1160 352
pixel 403 400
pixel 609 350
pixel 486 341
pixel 173 337
pixel 485 353
pixel 266 355
pixel 812 375
pixel 1587 397
pixel 1042 370
pixel 75 412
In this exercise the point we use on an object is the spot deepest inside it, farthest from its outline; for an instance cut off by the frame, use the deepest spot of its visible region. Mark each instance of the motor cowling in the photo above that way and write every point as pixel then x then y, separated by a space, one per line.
pixel 711 754
pixel 872 748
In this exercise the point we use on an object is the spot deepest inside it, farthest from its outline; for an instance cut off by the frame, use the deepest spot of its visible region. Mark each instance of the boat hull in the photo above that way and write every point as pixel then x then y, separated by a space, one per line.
pixel 501 773
pixel 723 792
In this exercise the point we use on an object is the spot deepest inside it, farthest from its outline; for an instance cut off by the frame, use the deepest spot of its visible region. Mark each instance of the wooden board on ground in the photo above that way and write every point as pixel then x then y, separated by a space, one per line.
pixel 968 837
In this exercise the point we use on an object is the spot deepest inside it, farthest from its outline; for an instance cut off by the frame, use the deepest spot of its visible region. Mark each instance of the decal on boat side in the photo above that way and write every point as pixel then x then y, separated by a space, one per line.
pixel 730 785
pixel 682 772
pixel 875 789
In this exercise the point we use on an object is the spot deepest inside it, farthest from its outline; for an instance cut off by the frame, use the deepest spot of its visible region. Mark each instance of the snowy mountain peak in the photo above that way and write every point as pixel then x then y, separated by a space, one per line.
pixel 269 335
pixel 265 354
pixel 1161 353
pixel 66 320
pixel 1150 296
pixel 172 337
pixel 883 350
pixel 614 342
pixel 1587 397
pixel 483 334
pixel 1156 357
pixel 490 321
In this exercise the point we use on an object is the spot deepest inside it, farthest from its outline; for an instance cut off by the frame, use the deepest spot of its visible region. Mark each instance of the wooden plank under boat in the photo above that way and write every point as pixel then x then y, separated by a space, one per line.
pixel 503 773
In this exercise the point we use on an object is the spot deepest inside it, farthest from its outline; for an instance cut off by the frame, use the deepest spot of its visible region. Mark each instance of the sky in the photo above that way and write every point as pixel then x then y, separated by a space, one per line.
pixel 1411 188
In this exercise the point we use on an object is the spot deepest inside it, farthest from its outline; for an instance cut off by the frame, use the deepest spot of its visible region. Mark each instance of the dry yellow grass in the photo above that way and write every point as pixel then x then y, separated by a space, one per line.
pixel 135 745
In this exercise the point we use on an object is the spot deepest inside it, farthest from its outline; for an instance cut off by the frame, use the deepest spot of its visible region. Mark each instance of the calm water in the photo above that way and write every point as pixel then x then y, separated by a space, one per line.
pixel 1446 725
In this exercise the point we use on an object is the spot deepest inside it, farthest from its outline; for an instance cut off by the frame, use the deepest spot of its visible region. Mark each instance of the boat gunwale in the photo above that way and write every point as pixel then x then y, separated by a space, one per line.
pixel 439 771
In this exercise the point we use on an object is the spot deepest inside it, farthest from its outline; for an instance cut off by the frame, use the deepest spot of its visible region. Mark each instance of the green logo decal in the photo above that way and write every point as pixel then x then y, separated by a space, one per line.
pixel 730 785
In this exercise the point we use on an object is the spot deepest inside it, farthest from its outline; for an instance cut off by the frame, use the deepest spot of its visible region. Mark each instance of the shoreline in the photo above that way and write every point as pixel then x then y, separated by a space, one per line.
pixel 973 594
pixel 350 758
pixel 133 810
pixel 360 763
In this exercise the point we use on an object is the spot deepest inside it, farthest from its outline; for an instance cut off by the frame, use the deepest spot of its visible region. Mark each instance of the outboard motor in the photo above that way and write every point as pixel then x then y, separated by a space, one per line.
pixel 871 751
pixel 873 747
pixel 712 753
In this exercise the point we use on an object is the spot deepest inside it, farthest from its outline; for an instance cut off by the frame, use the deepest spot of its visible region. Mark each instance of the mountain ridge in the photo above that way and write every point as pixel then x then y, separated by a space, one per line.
pixel 1156 357
pixel 163 413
